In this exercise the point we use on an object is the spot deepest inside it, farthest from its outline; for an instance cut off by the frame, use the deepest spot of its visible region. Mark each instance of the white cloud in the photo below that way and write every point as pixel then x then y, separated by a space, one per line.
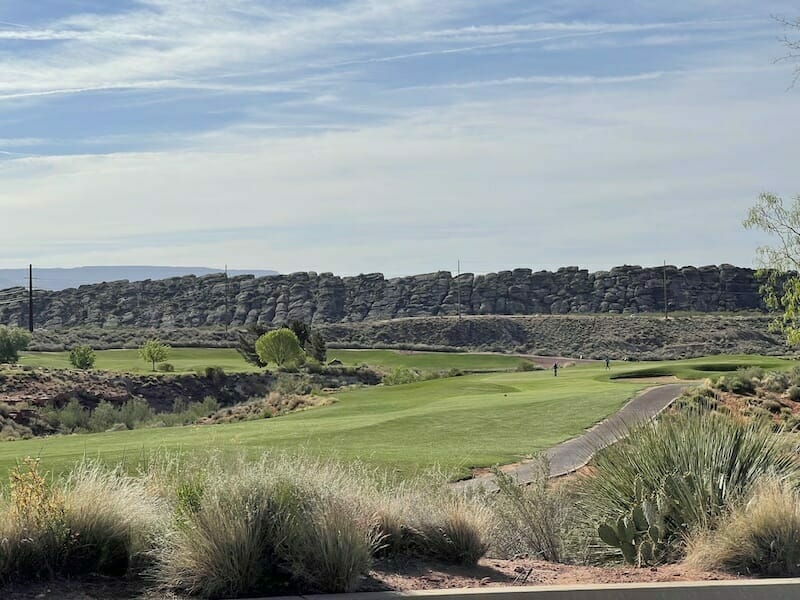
pixel 594 177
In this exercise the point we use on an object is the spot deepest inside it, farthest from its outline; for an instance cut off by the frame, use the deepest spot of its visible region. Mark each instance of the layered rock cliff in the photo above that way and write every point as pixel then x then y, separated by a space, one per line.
pixel 326 298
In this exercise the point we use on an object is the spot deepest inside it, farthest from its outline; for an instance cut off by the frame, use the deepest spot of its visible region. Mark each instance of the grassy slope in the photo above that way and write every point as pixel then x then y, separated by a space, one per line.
pixel 456 423
pixel 190 359
pixel 436 361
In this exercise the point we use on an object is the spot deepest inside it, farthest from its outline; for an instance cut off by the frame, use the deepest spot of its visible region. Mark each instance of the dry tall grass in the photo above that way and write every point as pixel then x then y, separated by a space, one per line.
pixel 759 537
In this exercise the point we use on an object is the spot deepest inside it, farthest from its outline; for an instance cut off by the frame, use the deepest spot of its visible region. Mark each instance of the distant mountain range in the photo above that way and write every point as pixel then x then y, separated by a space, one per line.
pixel 60 279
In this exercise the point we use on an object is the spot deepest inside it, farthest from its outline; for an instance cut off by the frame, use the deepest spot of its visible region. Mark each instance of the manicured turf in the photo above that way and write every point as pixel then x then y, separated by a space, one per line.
pixel 432 361
pixel 699 368
pixel 191 359
pixel 455 423
pixel 183 359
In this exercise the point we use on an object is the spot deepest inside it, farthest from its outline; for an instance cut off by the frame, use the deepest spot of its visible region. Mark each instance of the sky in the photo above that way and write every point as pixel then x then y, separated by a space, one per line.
pixel 398 136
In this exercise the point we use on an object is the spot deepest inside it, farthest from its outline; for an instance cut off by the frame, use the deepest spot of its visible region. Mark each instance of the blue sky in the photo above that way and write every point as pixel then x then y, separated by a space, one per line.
pixel 395 136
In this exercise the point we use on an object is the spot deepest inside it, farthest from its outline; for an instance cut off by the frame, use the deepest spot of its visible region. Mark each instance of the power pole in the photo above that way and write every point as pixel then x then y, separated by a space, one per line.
pixel 30 298
pixel 666 314
pixel 458 288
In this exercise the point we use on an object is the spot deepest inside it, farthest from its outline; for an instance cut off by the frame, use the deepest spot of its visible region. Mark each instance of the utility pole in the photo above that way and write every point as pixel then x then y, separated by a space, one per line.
pixel 30 298
pixel 666 314
pixel 458 288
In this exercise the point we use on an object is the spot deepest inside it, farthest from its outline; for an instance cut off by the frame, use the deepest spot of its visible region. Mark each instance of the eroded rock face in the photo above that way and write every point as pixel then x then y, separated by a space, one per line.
pixel 325 298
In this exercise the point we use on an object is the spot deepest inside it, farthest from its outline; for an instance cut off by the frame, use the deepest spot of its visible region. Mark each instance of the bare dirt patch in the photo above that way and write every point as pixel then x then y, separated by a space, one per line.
pixel 425 575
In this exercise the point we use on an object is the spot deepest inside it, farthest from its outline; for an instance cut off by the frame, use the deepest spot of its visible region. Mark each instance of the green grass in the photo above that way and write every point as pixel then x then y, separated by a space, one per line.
pixel 184 360
pixel 190 359
pixel 699 368
pixel 453 423
pixel 428 361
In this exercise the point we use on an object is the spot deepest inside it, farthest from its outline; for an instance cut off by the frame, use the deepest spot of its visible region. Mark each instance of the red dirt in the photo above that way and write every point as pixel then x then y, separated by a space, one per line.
pixel 425 575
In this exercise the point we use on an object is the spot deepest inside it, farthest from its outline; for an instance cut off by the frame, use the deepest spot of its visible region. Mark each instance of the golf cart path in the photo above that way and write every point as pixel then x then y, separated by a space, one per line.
pixel 567 457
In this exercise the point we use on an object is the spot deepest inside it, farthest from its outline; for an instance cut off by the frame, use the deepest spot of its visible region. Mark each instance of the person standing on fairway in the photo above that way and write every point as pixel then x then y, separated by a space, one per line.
pixel 608 363
pixel 555 369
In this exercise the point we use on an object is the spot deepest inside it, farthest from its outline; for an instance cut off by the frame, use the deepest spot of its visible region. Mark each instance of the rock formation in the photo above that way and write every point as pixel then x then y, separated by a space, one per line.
pixel 326 298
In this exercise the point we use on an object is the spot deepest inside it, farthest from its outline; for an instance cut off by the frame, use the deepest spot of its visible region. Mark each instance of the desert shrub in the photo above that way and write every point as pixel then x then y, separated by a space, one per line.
pixel 32 526
pixel 794 393
pixel 166 367
pixel 401 376
pixel 697 399
pixel 288 383
pixel 534 519
pixel 215 374
pixel 737 383
pixel 761 536
pixel 526 365
pixel 72 417
pixel 82 357
pixel 135 412
pixel 751 373
pixel 699 463
pixel 776 381
pixel 12 341
pixel 103 417
pixel 772 406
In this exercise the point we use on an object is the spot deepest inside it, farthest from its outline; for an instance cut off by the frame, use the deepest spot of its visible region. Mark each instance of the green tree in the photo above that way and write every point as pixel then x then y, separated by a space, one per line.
pixel 82 357
pixel 780 263
pixel 153 351
pixel 316 347
pixel 301 330
pixel 12 341
pixel 280 346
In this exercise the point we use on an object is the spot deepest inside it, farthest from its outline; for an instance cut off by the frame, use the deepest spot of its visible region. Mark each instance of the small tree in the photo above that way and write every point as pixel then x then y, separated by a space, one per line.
pixel 153 351
pixel 280 346
pixel 316 347
pixel 780 264
pixel 301 330
pixel 82 357
pixel 12 341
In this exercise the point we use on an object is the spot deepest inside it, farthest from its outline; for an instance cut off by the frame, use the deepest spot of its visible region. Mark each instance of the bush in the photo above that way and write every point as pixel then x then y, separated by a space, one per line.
pixel 776 381
pixel 12 341
pixel 82 357
pixel 526 365
pixel 794 393
pixel 700 464
pixel 166 367
pixel 761 537
pixel 736 384
pixel 534 519
pixel 280 346
pixel 401 376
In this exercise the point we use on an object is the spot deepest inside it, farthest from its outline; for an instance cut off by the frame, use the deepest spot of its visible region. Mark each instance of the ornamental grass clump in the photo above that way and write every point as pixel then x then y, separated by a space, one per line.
pixel 267 528
pixel 759 537
pixel 694 465
pixel 97 521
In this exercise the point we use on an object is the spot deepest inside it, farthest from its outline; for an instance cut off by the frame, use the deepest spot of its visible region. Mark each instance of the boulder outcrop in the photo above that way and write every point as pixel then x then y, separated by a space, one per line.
pixel 323 298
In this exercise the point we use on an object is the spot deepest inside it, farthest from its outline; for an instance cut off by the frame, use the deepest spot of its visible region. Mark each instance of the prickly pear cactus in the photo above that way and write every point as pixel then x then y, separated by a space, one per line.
pixel 640 535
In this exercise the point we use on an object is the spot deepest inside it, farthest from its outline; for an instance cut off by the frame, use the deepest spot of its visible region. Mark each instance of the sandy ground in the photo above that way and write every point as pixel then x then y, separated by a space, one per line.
pixel 406 574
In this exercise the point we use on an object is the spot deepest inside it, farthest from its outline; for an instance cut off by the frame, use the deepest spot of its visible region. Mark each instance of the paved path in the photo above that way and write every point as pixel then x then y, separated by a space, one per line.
pixel 573 454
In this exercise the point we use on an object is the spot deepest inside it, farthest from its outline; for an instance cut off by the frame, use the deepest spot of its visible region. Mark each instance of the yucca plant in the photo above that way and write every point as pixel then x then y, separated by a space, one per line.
pixel 701 464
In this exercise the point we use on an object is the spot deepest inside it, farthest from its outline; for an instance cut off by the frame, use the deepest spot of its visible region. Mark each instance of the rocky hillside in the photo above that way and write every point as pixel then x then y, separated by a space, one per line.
pixel 634 337
pixel 326 298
